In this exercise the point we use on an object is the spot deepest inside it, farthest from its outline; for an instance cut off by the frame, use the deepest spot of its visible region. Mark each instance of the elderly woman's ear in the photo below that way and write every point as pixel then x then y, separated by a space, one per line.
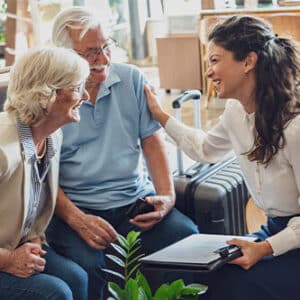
pixel 44 103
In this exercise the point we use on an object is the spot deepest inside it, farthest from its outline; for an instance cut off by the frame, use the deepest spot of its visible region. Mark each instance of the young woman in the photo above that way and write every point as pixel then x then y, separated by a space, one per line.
pixel 248 62
pixel 45 91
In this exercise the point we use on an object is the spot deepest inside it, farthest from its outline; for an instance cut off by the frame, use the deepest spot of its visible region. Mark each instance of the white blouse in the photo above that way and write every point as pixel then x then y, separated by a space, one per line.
pixel 275 188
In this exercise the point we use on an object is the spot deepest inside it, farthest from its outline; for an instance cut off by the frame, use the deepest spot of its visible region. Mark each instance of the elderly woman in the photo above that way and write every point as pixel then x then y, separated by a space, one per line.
pixel 45 91
pixel 248 62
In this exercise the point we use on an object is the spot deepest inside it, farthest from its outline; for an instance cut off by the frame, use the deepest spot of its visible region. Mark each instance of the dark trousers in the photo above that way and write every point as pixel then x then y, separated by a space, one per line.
pixel 273 278
pixel 64 240
pixel 62 279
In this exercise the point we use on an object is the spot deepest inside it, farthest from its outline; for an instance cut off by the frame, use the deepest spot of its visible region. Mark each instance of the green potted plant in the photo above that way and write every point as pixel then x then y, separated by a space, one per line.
pixel 135 285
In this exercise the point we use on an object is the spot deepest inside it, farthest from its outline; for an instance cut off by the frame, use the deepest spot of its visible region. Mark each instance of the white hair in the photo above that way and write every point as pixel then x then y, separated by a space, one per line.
pixel 76 18
pixel 37 75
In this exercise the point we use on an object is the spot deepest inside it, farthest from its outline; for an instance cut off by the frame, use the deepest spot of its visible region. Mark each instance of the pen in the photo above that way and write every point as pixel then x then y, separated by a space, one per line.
pixel 225 251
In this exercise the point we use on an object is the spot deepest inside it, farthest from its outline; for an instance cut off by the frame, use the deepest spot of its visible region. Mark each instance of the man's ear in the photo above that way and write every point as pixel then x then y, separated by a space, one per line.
pixel 250 61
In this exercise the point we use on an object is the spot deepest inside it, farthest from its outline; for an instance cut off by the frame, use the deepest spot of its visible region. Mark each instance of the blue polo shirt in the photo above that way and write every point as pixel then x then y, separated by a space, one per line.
pixel 101 165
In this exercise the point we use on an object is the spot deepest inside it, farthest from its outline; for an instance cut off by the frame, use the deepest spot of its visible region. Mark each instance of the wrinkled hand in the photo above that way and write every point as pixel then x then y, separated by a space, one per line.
pixel 37 241
pixel 95 231
pixel 162 206
pixel 252 252
pixel 154 105
pixel 26 260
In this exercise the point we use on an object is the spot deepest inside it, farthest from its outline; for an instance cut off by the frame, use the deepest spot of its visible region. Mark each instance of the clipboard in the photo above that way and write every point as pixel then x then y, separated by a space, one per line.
pixel 198 252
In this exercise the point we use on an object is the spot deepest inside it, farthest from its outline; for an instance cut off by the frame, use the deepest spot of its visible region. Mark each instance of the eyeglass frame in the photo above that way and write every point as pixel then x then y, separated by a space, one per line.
pixel 94 52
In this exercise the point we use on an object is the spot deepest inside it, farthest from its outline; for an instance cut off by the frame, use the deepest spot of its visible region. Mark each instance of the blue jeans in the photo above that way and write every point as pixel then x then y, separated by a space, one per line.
pixel 65 241
pixel 272 278
pixel 62 279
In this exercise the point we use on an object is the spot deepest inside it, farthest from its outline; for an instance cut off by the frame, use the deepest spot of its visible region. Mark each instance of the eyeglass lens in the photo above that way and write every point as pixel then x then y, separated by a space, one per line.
pixel 93 53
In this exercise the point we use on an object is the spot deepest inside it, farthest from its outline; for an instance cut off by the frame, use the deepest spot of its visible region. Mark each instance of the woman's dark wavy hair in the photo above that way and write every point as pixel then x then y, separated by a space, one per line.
pixel 277 78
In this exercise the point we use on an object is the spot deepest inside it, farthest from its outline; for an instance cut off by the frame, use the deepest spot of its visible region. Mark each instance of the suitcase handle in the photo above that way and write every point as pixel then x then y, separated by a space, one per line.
pixel 176 104
pixel 186 96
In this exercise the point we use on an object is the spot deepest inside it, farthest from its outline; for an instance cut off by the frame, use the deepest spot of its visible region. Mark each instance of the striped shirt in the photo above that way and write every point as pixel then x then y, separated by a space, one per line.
pixel 39 187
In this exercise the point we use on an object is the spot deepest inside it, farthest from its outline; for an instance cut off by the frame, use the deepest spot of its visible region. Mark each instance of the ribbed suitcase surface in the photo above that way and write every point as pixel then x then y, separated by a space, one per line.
pixel 215 197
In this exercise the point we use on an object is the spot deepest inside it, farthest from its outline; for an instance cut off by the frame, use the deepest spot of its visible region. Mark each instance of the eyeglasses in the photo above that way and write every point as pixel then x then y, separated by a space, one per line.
pixel 93 53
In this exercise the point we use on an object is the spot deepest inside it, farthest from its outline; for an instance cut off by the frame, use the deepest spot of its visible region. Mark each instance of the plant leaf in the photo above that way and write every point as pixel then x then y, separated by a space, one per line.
pixel 197 286
pixel 142 294
pixel 162 293
pixel 133 236
pixel 114 273
pixel 116 260
pixel 116 291
pixel 143 283
pixel 176 288
pixel 119 249
pixel 132 271
pixel 201 288
pixel 123 242
pixel 134 243
pixel 189 297
pixel 133 251
pixel 134 260
pixel 132 290
pixel 189 291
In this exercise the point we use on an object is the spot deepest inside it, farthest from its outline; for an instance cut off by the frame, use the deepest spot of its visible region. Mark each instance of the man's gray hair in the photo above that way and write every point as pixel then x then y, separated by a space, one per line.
pixel 76 18
pixel 37 75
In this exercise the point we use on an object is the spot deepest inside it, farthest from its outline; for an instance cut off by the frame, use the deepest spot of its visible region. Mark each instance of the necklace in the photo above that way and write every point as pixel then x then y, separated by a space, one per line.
pixel 41 156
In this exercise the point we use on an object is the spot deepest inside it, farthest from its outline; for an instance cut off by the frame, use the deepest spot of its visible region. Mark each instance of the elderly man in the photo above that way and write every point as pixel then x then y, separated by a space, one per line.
pixel 100 174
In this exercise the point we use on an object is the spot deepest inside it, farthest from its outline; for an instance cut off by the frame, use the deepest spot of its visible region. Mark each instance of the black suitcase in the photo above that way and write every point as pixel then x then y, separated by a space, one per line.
pixel 213 195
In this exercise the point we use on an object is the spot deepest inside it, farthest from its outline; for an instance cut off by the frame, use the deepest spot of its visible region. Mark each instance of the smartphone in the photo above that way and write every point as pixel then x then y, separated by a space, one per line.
pixel 140 206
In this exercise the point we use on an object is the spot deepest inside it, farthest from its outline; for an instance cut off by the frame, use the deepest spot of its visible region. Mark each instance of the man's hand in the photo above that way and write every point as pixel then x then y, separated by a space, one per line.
pixel 25 260
pixel 95 231
pixel 162 206
pixel 252 252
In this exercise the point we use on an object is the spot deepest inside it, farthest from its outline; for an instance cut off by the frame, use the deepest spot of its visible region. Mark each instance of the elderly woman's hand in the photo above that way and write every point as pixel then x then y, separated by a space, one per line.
pixel 25 260
pixel 154 106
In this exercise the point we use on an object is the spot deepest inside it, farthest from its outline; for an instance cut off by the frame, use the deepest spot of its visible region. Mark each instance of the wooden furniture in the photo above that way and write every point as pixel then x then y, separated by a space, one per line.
pixel 18 21
pixel 178 58
pixel 23 27
pixel 11 28
pixel 207 4
pixel 285 24
pixel 255 217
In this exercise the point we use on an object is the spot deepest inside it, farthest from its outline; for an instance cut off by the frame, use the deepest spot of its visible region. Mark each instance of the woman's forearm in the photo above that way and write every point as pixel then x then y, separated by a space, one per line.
pixel 163 118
